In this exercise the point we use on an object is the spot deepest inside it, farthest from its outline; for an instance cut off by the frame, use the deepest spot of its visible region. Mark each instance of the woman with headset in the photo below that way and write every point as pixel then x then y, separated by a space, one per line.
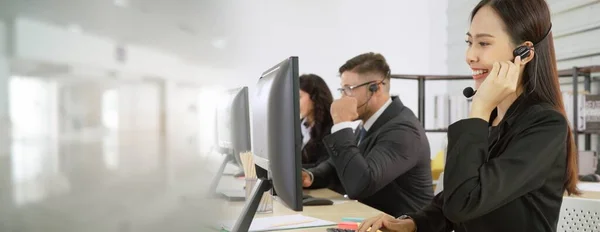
pixel 315 103
pixel 510 163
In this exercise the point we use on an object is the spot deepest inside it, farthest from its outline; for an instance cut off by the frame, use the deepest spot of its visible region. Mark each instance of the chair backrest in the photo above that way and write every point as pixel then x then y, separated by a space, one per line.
pixel 579 214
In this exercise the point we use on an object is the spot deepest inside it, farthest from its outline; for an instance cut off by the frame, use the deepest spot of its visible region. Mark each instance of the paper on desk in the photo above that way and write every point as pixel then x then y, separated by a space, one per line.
pixel 589 186
pixel 281 223
pixel 340 201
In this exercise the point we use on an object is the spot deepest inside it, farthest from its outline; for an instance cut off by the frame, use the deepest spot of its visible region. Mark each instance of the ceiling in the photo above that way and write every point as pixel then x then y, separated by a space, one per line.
pixel 236 35
pixel 197 31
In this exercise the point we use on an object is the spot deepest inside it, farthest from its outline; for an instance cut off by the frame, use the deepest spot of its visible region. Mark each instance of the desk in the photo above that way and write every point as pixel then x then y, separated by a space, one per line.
pixel 589 190
pixel 342 207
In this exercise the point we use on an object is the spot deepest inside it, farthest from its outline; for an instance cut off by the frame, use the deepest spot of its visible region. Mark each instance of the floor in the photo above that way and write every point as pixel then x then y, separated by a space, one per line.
pixel 117 182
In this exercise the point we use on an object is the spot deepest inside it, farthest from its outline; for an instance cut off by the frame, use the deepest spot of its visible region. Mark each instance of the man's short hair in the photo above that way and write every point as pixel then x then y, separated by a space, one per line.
pixel 367 63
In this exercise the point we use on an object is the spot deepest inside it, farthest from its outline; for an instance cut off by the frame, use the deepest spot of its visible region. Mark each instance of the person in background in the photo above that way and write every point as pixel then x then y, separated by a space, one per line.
pixel 379 153
pixel 510 163
pixel 315 102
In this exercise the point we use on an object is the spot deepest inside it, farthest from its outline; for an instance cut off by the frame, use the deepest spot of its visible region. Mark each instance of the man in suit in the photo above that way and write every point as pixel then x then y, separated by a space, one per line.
pixel 379 153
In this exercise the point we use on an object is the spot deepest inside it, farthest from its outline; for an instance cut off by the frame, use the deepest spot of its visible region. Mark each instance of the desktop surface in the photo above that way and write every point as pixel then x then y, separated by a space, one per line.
pixel 589 189
pixel 341 208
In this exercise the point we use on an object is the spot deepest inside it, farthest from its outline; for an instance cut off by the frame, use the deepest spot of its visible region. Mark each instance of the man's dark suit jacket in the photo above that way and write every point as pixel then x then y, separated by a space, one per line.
pixel 391 168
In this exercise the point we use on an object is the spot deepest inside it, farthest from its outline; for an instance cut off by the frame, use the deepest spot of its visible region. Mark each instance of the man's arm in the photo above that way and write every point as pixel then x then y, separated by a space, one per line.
pixel 395 153
pixel 343 125
pixel 321 175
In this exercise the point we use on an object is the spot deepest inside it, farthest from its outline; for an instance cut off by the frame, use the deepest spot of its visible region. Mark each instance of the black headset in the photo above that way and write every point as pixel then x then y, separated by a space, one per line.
pixel 523 51
pixel 374 87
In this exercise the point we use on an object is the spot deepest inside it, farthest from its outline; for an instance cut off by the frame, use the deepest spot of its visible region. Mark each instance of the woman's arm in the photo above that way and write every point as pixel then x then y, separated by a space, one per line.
pixel 431 218
pixel 474 185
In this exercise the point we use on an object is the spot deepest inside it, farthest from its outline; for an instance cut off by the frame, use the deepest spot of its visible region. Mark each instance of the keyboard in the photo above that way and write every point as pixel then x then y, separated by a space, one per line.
pixel 339 230
pixel 344 230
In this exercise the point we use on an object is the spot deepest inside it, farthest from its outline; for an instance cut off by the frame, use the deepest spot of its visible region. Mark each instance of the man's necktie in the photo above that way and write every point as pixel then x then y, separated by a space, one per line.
pixel 361 134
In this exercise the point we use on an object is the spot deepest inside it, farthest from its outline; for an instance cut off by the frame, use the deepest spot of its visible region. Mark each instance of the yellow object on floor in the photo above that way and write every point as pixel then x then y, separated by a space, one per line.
pixel 437 165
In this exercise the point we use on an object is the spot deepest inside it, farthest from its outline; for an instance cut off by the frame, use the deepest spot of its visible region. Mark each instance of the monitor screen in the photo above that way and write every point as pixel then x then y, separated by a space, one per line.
pixel 276 134
pixel 233 122
pixel 224 124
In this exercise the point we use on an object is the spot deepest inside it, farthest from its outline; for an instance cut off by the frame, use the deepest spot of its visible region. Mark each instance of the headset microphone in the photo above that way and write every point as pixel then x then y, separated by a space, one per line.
pixel 469 92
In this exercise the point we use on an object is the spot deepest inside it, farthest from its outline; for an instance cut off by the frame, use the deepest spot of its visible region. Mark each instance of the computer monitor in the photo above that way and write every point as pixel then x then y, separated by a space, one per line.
pixel 276 139
pixel 233 123
pixel 233 130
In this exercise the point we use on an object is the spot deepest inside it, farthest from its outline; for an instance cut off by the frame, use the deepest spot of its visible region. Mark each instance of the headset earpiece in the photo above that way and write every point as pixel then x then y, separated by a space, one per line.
pixel 373 88
pixel 522 51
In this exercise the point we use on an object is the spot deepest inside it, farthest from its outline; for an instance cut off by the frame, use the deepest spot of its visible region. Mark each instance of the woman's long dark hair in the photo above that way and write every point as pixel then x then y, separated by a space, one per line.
pixel 321 97
pixel 530 21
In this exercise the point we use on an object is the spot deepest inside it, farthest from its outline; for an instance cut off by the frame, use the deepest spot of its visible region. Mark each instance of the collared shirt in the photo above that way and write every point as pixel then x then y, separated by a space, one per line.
pixel 354 124
pixel 305 129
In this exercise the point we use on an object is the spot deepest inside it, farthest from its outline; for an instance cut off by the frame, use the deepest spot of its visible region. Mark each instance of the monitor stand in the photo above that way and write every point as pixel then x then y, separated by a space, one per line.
pixel 308 200
pixel 233 194
pixel 212 190
pixel 245 219
pixel 240 174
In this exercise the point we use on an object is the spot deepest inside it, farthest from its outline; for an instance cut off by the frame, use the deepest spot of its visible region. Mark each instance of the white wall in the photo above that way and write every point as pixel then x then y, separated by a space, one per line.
pixel 576 28
pixel 458 23
pixel 33 108
pixel 139 106
pixel 182 122
pixel 41 41
pixel 4 78
pixel 409 34
pixel 80 107
pixel 333 33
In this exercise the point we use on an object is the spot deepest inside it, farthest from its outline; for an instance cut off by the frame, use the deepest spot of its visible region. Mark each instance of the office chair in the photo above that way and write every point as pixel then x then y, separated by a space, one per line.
pixel 579 214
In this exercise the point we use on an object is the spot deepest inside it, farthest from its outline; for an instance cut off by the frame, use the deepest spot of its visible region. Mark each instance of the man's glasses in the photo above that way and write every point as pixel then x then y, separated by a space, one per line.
pixel 348 90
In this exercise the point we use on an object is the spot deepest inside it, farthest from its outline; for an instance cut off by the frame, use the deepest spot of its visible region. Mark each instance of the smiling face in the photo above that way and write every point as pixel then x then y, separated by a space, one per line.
pixel 488 42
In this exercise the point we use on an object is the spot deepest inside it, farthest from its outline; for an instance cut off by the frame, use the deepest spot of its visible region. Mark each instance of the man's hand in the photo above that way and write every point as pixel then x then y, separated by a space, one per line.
pixel 387 223
pixel 306 180
pixel 344 110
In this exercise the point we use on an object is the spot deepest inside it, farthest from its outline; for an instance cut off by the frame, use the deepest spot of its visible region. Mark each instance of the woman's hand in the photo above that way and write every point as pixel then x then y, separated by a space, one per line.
pixel 501 82
pixel 387 223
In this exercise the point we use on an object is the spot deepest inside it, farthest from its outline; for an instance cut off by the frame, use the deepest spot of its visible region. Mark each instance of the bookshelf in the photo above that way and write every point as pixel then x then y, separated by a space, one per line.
pixel 574 73
pixel 421 92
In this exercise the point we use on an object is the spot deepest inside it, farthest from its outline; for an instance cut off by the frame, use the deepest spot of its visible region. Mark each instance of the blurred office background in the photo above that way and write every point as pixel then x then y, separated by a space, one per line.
pixel 107 106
